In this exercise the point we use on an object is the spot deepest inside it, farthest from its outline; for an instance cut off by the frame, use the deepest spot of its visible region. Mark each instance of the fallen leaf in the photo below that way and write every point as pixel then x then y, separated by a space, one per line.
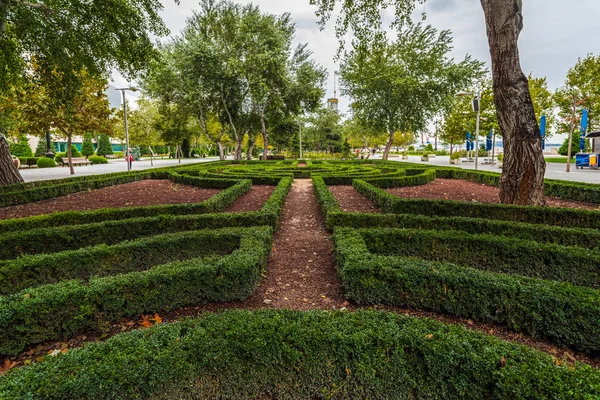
pixel 428 336
pixel 145 323
pixel 7 365
pixel 54 353
pixel 157 319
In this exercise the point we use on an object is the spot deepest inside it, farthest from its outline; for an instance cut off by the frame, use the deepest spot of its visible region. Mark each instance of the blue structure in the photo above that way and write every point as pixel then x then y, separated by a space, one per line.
pixel 543 122
pixel 488 141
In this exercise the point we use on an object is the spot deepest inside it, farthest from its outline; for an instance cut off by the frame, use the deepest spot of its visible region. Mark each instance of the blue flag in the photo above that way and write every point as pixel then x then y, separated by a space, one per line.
pixel 584 121
pixel 543 122
pixel 488 142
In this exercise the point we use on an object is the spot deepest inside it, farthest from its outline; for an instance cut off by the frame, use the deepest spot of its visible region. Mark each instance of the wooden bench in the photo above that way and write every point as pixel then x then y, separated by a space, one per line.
pixel 75 161
pixel 275 157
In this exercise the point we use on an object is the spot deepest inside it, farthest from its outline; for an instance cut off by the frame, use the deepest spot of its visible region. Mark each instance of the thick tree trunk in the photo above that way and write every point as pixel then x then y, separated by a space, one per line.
pixel 388 146
pixel 221 151
pixel 9 174
pixel 238 148
pixel 252 143
pixel 523 170
pixel 71 168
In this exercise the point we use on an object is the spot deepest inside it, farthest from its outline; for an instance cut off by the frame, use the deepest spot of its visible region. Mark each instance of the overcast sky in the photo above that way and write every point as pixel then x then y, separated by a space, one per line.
pixel 555 34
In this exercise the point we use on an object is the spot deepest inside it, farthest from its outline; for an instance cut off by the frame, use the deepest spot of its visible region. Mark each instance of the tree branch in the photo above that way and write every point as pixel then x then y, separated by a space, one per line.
pixel 35 6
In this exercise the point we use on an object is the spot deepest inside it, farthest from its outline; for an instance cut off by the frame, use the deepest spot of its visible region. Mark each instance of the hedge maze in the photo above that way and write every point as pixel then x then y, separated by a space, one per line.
pixel 531 270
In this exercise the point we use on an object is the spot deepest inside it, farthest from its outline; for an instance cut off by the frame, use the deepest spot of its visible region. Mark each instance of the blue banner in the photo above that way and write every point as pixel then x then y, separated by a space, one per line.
pixel 469 143
pixel 584 121
pixel 543 123
pixel 488 142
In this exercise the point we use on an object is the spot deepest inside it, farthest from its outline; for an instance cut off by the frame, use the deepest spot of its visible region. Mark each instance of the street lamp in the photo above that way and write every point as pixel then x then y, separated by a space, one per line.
pixel 477 108
pixel 300 133
pixel 123 90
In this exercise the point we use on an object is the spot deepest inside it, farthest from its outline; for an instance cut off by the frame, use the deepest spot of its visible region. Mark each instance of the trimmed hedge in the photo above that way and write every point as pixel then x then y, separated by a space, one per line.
pixel 574 237
pixel 103 260
pixel 557 311
pixel 233 190
pixel 401 181
pixel 447 208
pixel 487 252
pixel 62 310
pixel 299 355
pixel 71 237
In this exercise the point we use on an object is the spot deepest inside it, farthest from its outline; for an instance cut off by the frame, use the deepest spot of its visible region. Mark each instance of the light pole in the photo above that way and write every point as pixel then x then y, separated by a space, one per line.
pixel 300 133
pixel 123 90
pixel 477 109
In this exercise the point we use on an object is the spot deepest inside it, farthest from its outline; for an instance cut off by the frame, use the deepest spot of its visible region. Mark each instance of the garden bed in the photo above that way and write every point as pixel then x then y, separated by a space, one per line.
pixel 254 200
pixel 461 190
pixel 352 201
pixel 142 193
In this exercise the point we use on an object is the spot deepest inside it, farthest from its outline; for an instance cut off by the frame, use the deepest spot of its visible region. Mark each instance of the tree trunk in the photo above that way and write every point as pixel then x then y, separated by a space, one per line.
pixel 524 166
pixel 9 174
pixel 221 152
pixel 71 168
pixel 571 130
pixel 451 148
pixel 388 146
pixel 252 143
pixel 265 136
pixel 238 148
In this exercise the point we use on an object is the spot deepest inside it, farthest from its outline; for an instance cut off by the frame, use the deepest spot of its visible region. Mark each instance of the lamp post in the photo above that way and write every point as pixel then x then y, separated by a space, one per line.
pixel 300 133
pixel 477 109
pixel 123 90
pixel 49 152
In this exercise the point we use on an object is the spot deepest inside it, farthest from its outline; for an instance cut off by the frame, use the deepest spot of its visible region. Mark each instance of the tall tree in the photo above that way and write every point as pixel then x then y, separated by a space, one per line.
pixel 68 36
pixel 400 85
pixel 523 170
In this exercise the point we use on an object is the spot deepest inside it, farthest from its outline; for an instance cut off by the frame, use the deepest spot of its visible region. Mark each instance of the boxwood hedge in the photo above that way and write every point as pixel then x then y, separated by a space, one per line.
pixel 299 355
pixel 61 310
pixel 557 311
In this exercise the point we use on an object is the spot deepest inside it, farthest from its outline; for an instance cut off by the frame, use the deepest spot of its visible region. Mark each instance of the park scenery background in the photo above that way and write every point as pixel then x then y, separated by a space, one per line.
pixel 226 229
pixel 297 279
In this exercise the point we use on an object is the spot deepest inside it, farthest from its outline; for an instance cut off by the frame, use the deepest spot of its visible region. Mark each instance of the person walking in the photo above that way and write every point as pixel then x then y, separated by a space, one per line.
pixel 129 158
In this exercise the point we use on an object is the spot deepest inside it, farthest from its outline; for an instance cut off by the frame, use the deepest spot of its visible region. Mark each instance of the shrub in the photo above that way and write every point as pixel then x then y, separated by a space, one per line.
pixel 87 147
pixel 62 310
pixel 21 148
pixel 104 146
pixel 557 311
pixel 41 149
pixel 97 160
pixel 45 162
pixel 299 355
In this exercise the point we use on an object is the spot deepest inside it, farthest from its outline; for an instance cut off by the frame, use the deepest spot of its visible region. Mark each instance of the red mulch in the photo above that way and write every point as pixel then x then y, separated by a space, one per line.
pixel 141 193
pixel 453 189
pixel 352 201
pixel 254 200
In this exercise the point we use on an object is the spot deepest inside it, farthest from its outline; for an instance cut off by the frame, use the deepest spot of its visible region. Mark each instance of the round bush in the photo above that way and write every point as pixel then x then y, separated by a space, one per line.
pixel 45 162
pixel 97 160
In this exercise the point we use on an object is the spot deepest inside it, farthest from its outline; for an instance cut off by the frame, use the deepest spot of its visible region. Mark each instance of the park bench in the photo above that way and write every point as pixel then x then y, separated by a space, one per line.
pixel 75 161
pixel 275 157
pixel 110 157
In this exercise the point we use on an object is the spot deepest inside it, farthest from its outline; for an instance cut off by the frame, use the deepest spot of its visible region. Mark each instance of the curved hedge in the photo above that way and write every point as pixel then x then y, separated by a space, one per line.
pixel 557 311
pixel 298 355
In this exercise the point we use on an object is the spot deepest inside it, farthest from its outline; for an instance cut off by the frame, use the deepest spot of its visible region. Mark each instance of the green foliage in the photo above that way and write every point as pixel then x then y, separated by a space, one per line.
pixel 41 149
pixel 104 146
pixel 21 148
pixel 97 160
pixel 69 307
pixel 87 147
pixel 564 149
pixel 185 147
pixel 294 355
pixel 45 162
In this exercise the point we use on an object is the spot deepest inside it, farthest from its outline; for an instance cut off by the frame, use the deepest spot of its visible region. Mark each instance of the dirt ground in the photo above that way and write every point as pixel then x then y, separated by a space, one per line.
pixel 352 201
pixel 141 193
pixel 254 200
pixel 453 189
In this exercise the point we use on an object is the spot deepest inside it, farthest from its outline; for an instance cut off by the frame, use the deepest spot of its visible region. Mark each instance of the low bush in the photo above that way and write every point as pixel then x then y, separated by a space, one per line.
pixel 62 310
pixel 489 252
pixel 102 260
pixel 45 162
pixel 298 355
pixel 97 160
pixel 446 208
pixel 557 311
pixel 401 181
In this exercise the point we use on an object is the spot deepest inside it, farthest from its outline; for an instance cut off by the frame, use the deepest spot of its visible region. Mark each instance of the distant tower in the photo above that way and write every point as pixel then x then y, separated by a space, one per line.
pixel 333 103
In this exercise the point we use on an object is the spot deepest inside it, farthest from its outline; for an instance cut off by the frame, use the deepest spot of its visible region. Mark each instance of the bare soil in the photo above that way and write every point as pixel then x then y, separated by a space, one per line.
pixel 254 200
pixel 453 189
pixel 352 201
pixel 141 193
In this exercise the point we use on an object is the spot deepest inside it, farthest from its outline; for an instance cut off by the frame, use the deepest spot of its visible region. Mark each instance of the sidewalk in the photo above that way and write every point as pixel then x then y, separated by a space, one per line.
pixel 43 174
pixel 553 170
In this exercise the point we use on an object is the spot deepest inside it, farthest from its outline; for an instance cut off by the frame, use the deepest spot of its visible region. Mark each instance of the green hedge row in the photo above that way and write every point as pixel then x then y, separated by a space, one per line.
pixel 391 181
pixel 233 190
pixel 446 208
pixel 557 311
pixel 577 266
pixel 62 189
pixel 62 310
pixel 71 237
pixel 575 237
pixel 103 260
pixel 288 354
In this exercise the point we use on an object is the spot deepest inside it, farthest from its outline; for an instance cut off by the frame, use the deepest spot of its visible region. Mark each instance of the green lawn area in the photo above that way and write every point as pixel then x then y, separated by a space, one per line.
pixel 559 160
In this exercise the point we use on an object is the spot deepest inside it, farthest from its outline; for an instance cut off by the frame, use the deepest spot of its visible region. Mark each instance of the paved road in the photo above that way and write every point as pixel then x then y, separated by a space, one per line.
pixel 553 170
pixel 37 174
